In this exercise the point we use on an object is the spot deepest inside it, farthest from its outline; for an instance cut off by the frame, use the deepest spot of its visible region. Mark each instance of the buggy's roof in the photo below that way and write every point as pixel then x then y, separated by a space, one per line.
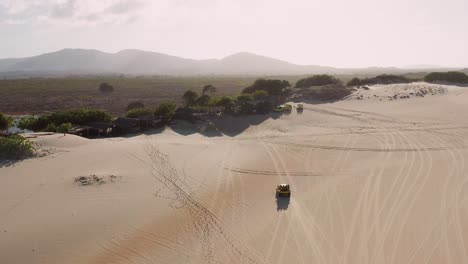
pixel 283 185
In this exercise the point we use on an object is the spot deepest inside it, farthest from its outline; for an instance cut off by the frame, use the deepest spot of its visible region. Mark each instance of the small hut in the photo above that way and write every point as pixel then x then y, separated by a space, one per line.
pixel 92 130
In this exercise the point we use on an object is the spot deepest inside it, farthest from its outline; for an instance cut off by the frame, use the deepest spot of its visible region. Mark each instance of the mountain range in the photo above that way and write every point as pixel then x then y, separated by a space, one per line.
pixel 138 62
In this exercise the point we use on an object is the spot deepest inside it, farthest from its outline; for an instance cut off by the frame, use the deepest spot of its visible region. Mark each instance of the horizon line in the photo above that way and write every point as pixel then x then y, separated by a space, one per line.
pixel 404 67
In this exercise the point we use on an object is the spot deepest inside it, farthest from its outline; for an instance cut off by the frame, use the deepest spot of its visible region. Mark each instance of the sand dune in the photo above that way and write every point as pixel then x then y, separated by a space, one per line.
pixel 373 181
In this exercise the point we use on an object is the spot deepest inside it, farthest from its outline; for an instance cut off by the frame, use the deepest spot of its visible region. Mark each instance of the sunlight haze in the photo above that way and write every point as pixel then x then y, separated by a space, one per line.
pixel 334 33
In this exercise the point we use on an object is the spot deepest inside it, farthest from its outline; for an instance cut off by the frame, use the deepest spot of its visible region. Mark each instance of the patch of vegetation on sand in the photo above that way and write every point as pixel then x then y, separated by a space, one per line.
pixel 13 146
pixel 325 92
pixel 321 88
pixel 380 79
pixel 57 119
pixel 447 77
pixel 317 80
pixel 94 179
pixel 16 147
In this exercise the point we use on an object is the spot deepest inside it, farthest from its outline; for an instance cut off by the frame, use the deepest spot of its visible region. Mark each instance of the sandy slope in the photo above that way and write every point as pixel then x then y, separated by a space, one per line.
pixel 373 182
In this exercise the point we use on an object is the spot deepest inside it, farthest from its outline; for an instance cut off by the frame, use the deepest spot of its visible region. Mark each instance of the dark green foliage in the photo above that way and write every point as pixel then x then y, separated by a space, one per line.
pixel 106 88
pixel 26 122
pixel 50 128
pixel 450 77
pixel 317 80
pixel 202 100
pixel 5 122
pixel 272 87
pixel 245 97
pixel 208 88
pixel 259 94
pixel 354 82
pixel 166 110
pixel 64 128
pixel 75 117
pixel 380 79
pixel 190 97
pixel 263 107
pixel 246 108
pixel 329 93
pixel 386 79
pixel 15 147
pixel 137 112
pixel 134 105
pixel 227 103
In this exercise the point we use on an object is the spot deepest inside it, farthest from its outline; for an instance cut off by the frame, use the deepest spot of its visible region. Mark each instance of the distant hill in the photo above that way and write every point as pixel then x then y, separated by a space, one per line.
pixel 137 62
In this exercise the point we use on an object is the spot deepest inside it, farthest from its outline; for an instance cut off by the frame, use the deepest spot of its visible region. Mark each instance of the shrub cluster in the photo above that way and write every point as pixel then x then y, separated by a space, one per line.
pixel 75 117
pixel 380 79
pixel 5 122
pixel 16 147
pixel 62 128
pixel 137 112
pixel 166 110
pixel 272 87
pixel 329 93
pixel 317 80
pixel 450 77
pixel 259 94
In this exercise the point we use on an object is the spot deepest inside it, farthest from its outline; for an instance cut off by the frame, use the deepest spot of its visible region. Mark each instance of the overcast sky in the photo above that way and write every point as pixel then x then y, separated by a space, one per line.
pixel 341 33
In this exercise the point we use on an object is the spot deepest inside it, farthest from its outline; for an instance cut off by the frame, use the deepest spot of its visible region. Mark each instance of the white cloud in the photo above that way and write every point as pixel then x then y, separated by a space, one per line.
pixel 66 9
pixel 328 32
pixel 69 11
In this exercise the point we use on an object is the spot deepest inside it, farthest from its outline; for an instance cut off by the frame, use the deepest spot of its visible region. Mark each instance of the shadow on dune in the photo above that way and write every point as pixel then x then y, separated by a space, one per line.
pixel 227 125
pixel 8 163
pixel 282 203
pixel 148 132
pixel 306 100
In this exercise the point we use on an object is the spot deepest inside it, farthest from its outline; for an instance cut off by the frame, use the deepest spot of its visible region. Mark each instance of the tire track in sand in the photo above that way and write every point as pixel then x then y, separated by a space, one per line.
pixel 206 225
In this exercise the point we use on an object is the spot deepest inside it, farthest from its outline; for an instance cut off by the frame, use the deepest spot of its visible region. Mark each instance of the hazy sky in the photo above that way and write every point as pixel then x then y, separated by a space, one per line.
pixel 342 33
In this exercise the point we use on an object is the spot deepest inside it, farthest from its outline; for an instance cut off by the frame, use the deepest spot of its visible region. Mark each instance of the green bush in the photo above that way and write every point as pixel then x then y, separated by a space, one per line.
pixel 136 112
pixel 226 102
pixel 354 82
pixel 246 108
pixel 214 101
pixel 27 122
pixel 263 107
pixel 190 97
pixel 259 94
pixel 166 110
pixel 5 122
pixel 64 128
pixel 245 97
pixel 51 128
pixel 450 77
pixel 272 87
pixel 329 93
pixel 317 80
pixel 380 79
pixel 75 117
pixel 15 147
